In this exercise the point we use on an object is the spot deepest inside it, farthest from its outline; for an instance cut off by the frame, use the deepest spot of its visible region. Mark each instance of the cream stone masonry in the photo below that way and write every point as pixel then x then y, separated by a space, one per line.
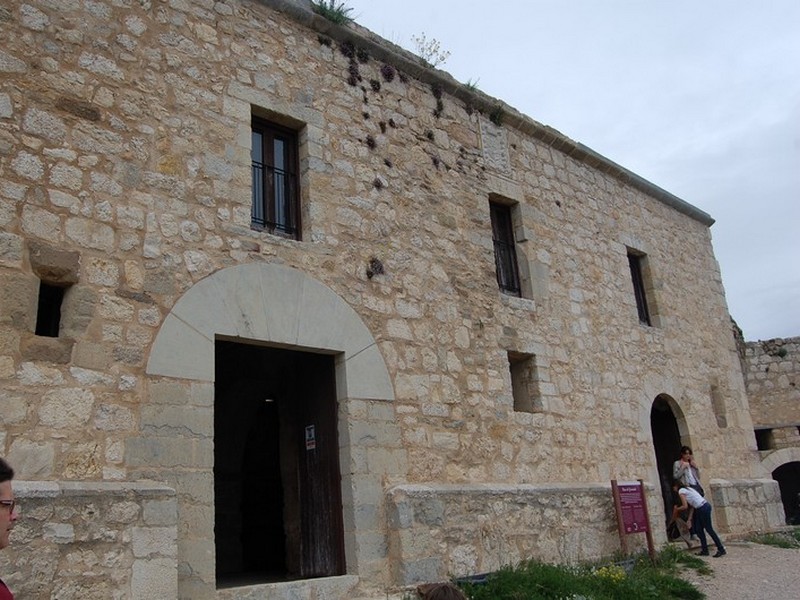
pixel 93 540
pixel 126 178
pixel 772 376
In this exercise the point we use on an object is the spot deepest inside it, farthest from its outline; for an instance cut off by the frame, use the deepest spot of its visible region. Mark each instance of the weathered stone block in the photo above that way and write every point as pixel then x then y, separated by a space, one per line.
pixel 32 460
pixel 67 407
pixel 161 541
pixel 167 452
pixel 46 349
pixel 18 294
pixel 10 248
pixel 53 265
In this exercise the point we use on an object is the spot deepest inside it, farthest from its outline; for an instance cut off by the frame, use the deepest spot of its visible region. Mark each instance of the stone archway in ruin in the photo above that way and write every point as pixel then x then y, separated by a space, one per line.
pixel 263 305
pixel 784 466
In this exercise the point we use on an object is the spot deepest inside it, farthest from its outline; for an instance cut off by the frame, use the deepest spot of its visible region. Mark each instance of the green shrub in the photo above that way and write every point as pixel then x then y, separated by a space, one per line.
pixel 782 539
pixel 534 580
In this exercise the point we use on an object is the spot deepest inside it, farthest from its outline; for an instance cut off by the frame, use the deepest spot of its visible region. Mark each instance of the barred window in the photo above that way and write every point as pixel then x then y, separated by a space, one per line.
pixel 276 195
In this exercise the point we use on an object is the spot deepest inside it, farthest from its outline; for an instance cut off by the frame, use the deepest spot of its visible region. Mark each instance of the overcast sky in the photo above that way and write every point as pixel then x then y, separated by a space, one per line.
pixel 701 98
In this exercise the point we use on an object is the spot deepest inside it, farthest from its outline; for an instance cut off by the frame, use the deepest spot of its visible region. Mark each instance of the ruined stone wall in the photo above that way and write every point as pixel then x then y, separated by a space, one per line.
pixel 741 507
pixel 772 377
pixel 125 177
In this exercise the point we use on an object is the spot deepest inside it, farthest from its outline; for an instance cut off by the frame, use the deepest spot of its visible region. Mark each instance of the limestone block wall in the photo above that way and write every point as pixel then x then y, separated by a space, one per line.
pixel 455 530
pixel 772 377
pixel 136 157
pixel 93 541
pixel 125 179
pixel 746 506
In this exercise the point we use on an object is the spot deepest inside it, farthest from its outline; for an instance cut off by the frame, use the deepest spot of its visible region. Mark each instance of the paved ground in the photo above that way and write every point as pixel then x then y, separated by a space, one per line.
pixel 751 572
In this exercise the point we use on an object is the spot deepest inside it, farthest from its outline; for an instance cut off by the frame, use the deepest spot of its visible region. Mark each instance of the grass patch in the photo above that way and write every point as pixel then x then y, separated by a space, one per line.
pixel 539 581
pixel 780 539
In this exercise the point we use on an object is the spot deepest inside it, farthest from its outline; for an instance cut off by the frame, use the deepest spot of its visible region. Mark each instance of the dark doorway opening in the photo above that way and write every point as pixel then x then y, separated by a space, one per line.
pixel 788 478
pixel 277 484
pixel 667 445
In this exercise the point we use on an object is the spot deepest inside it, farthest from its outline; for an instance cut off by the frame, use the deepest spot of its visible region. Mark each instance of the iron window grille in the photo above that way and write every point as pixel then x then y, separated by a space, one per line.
pixel 505 252
pixel 275 205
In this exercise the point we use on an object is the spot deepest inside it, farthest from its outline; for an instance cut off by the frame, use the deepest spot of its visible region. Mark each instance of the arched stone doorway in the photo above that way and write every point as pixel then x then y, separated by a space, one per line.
pixel 788 478
pixel 784 465
pixel 268 313
pixel 666 429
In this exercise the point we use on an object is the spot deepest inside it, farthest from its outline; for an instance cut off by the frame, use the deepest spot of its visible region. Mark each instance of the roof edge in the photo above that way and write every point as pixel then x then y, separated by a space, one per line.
pixel 410 63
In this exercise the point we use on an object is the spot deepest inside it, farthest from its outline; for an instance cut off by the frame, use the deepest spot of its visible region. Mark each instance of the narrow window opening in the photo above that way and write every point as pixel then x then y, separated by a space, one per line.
pixel 48 314
pixel 524 382
pixel 635 263
pixel 505 252
pixel 718 402
pixel 765 439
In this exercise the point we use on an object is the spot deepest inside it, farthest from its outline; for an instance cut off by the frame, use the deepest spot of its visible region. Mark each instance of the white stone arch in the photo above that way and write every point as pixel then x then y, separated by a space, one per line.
pixel 274 304
pixel 779 458
pixel 270 304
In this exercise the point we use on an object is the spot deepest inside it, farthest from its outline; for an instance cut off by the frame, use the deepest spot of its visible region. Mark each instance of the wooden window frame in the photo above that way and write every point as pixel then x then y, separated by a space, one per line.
pixel 275 203
pixel 505 249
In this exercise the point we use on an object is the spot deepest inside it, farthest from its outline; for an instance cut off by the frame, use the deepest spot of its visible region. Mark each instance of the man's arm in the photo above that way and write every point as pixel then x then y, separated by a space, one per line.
pixel 678 469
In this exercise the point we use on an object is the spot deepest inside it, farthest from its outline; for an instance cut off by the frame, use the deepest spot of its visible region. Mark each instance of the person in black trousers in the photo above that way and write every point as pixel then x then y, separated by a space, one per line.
pixel 700 512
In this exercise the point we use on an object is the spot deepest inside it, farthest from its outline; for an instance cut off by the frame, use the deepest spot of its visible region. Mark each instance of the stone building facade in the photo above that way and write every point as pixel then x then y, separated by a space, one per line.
pixel 772 374
pixel 285 311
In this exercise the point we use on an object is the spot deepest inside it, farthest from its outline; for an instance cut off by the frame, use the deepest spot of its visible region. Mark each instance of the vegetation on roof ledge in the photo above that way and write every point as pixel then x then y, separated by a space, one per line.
pixel 336 12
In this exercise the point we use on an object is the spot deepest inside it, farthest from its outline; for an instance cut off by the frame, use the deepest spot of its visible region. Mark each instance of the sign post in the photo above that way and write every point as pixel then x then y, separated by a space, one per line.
pixel 630 504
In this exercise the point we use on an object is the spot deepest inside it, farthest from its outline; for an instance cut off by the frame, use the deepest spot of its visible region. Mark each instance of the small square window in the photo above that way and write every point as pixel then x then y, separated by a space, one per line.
pixel 524 382
pixel 275 166
pixel 765 439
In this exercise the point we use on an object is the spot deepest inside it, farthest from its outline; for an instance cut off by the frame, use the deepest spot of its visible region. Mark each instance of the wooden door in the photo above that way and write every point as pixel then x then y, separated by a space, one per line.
pixel 322 544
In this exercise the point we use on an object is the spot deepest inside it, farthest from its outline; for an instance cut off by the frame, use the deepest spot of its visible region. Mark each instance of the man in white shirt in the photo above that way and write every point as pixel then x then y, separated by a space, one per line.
pixel 700 511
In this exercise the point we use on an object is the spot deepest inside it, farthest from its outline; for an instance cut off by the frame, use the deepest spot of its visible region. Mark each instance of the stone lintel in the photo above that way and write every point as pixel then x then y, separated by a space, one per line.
pixel 54 266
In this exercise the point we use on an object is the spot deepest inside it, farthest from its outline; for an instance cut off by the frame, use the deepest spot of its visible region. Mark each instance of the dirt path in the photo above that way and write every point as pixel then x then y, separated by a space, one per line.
pixel 752 572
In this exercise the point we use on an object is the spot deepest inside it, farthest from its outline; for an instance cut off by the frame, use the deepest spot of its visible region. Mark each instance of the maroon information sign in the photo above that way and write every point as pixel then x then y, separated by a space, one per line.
pixel 630 503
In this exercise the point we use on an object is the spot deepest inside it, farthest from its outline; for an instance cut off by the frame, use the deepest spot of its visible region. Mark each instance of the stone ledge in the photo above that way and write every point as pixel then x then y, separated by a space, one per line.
pixel 421 489
pixel 52 489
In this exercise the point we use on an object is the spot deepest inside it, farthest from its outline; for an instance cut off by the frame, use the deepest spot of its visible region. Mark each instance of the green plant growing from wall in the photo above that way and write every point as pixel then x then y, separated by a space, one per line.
pixel 430 50
pixel 336 12
pixel 496 116
pixel 472 84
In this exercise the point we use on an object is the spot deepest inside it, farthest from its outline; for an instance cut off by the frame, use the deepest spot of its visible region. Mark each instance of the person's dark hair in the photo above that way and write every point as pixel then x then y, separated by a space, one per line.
pixel 6 472
pixel 440 591
pixel 685 449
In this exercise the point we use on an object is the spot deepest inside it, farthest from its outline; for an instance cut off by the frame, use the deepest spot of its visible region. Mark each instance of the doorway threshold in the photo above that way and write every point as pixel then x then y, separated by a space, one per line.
pixel 340 586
